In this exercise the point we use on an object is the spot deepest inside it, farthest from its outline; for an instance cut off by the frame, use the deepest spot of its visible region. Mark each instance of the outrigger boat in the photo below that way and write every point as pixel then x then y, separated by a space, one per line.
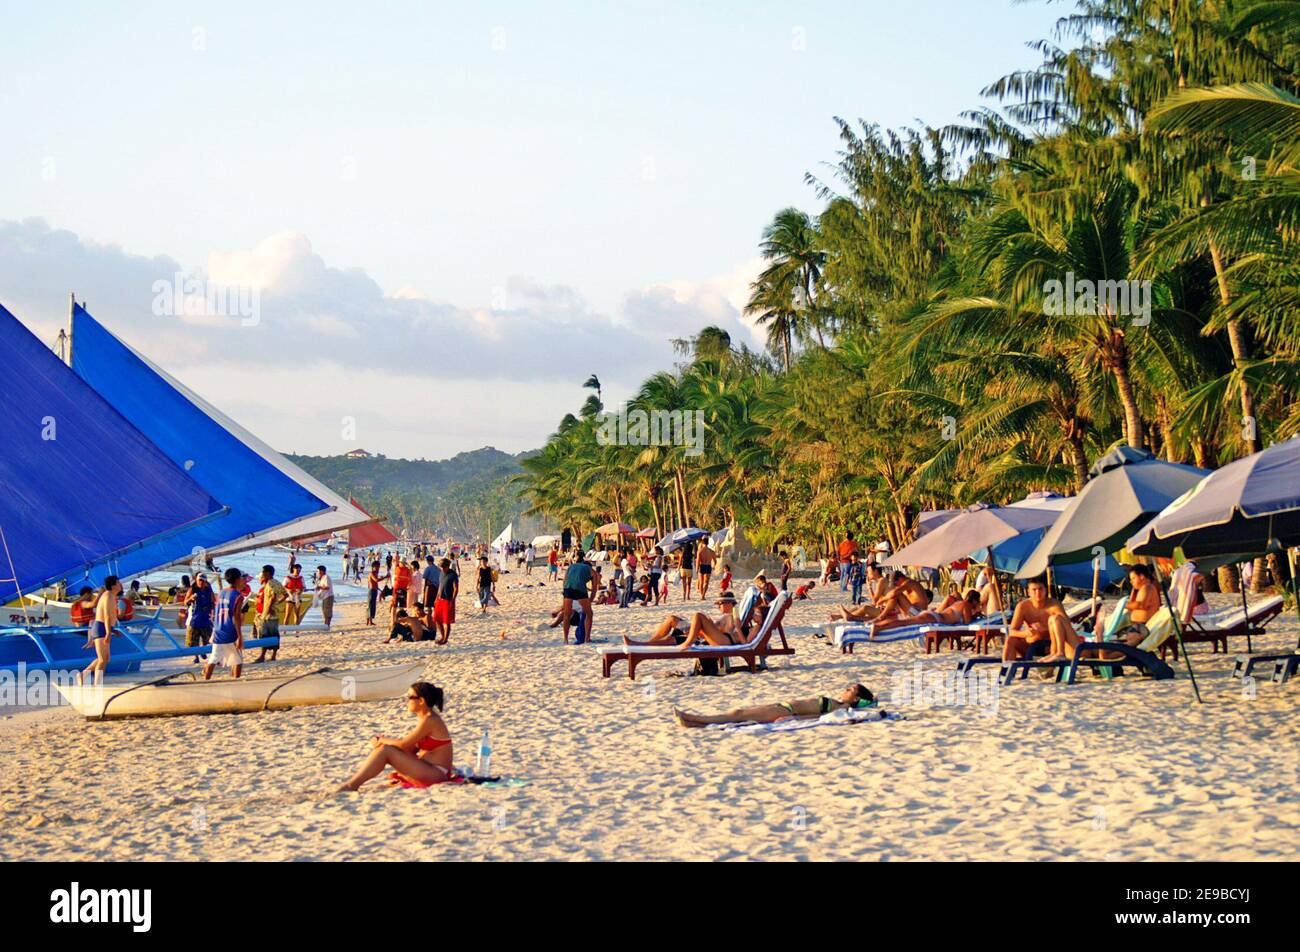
pixel 170 696
pixel 56 648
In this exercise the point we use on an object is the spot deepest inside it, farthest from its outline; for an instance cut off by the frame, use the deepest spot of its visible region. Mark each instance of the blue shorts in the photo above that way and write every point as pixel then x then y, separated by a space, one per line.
pixel 98 631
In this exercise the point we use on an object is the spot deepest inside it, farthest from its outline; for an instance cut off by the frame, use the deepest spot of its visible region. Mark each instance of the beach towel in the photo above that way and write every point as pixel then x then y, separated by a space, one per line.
pixel 397 780
pixel 834 718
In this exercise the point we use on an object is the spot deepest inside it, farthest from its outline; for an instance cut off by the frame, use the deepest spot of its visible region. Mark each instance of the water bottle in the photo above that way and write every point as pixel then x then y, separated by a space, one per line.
pixel 484 762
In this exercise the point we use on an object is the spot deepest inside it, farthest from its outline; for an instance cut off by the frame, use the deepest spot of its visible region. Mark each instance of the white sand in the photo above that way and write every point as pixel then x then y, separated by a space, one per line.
pixel 1129 769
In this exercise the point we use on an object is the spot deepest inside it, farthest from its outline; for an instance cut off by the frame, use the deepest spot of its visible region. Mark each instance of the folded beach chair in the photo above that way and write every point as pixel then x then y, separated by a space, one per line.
pixel 751 652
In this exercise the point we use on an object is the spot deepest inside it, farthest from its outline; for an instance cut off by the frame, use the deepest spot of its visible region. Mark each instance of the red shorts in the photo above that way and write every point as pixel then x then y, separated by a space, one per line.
pixel 444 612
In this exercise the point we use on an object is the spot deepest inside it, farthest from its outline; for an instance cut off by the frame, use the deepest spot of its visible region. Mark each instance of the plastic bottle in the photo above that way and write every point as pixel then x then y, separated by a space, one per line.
pixel 483 764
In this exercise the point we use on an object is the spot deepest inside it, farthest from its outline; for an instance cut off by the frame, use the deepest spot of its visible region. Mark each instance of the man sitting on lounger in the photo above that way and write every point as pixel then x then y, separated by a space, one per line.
pixel 856 696
pixel 1040 621
pixel 955 610
pixel 904 598
pixel 1141 605
pixel 725 631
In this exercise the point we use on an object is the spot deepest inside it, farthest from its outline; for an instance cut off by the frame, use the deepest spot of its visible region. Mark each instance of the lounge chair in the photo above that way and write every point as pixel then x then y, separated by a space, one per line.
pixel 1218 627
pixel 982 632
pixel 751 652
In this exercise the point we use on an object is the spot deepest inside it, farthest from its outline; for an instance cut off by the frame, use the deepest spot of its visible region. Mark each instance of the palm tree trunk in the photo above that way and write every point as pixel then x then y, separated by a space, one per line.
pixel 1134 431
pixel 1240 354
pixel 1250 423
pixel 1078 458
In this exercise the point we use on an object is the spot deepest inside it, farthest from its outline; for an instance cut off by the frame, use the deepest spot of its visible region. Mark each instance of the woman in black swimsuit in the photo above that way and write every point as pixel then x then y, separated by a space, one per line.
pixel 855 696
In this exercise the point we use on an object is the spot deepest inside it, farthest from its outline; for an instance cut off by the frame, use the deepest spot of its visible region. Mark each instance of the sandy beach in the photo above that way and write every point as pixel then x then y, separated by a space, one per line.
pixel 597 769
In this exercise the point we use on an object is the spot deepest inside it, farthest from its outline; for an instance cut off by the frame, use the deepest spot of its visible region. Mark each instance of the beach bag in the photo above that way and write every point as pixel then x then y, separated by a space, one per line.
pixel 707 667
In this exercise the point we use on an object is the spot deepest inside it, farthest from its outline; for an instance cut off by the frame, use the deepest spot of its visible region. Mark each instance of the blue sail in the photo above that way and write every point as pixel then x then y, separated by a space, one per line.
pixel 258 485
pixel 79 485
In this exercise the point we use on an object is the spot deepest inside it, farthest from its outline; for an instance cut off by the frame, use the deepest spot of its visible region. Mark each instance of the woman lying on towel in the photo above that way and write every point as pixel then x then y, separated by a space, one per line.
pixel 723 631
pixel 955 610
pixel 856 696
pixel 421 758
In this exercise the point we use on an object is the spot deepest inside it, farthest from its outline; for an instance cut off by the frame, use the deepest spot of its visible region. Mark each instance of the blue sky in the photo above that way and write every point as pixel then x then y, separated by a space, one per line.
pixel 615 162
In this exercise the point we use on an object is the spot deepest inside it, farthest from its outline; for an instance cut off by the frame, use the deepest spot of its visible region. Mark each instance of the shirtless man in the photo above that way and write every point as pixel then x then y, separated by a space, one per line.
pixel 955 610
pixel 903 598
pixel 704 558
pixel 724 631
pixel 1037 619
pixel 1141 605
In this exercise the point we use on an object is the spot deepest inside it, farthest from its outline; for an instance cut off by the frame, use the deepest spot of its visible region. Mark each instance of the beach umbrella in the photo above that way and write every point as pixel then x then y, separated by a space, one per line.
pixel 978 527
pixel 932 519
pixel 647 533
pixel 1247 508
pixel 682 536
pixel 615 529
pixel 1128 486
pixel 544 541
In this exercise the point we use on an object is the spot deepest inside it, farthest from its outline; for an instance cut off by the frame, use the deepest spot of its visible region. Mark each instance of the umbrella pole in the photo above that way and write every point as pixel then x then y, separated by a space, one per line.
pixel 1096 583
pixel 1295 588
pixel 1245 610
pixel 1178 631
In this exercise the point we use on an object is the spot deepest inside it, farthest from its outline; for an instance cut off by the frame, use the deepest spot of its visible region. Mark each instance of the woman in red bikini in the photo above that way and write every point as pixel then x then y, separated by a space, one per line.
pixel 421 758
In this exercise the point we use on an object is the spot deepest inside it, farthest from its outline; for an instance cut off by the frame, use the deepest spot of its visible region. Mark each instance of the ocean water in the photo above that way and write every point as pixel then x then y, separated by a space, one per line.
pixel 252 562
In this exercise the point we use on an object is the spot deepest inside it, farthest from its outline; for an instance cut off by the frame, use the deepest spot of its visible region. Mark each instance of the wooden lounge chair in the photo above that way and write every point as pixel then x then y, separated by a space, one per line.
pixel 1218 627
pixel 751 652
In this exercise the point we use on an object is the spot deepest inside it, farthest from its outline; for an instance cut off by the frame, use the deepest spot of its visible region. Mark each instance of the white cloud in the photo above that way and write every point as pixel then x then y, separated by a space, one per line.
pixel 504 373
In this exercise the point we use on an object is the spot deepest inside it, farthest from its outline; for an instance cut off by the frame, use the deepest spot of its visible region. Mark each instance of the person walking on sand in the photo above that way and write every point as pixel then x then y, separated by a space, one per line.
pixel 484 584
pixel 846 550
pixel 198 622
pixel 429 579
pixel 655 563
pixel 101 630
pixel 372 593
pixel 529 554
pixel 228 629
pixel 705 557
pixel 325 595
pixel 686 566
pixel 266 621
pixel 444 607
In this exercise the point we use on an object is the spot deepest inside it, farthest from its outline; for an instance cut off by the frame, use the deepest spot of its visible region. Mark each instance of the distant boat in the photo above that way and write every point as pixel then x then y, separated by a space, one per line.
pixel 243 695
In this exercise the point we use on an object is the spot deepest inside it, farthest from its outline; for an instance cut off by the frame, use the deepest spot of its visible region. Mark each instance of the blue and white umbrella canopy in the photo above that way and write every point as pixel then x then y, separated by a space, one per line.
pixel 679 537
pixel 1127 488
pixel 1242 509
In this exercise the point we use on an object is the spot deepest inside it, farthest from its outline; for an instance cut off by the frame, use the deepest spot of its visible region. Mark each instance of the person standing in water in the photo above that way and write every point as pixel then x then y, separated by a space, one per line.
pixel 101 630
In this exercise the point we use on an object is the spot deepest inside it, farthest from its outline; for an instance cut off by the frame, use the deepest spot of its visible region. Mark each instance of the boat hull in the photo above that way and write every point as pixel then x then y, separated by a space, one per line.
pixel 244 695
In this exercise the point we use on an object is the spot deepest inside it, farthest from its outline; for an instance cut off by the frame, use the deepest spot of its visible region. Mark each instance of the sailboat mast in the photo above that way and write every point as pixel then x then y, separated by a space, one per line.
pixel 72 304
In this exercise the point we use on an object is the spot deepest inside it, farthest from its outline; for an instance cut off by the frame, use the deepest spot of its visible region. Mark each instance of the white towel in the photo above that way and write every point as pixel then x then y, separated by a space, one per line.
pixel 844 716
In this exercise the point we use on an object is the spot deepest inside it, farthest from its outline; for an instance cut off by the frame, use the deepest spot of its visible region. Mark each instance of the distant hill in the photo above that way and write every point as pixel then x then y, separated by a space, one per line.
pixel 467 496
